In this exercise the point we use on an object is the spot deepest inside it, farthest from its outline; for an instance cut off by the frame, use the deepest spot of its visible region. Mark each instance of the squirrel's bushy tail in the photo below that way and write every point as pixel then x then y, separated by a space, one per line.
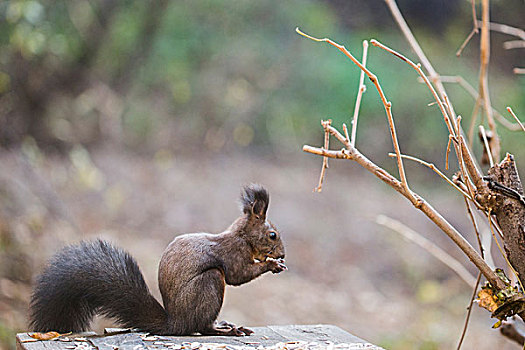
pixel 94 278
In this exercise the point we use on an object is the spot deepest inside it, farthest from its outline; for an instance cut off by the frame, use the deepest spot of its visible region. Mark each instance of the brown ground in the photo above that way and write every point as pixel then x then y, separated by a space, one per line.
pixel 343 268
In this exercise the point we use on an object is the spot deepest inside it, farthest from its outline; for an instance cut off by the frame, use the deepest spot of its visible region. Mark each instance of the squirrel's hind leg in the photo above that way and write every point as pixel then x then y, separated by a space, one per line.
pixel 210 286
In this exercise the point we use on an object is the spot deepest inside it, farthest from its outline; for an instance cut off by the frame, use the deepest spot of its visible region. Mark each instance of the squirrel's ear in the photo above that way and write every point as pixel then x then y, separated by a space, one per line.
pixel 255 200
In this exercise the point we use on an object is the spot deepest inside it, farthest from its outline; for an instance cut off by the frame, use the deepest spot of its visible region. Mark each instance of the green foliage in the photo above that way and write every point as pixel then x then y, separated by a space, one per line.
pixel 215 67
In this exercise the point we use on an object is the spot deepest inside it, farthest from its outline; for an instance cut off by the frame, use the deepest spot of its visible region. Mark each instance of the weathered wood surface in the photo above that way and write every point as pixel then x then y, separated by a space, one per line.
pixel 272 337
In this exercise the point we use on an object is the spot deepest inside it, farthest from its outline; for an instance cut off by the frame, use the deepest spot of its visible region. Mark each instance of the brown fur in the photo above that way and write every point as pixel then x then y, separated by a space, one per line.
pixel 96 277
pixel 195 267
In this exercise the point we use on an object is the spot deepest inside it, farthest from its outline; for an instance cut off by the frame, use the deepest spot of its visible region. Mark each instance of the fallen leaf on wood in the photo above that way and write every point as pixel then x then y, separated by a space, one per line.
pixel 45 336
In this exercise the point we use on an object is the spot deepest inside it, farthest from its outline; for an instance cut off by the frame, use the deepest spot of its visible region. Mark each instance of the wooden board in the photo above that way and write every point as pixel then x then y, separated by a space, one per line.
pixel 288 337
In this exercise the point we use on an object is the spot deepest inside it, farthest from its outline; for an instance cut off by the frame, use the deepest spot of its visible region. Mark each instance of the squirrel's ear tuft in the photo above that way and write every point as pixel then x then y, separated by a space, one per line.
pixel 255 200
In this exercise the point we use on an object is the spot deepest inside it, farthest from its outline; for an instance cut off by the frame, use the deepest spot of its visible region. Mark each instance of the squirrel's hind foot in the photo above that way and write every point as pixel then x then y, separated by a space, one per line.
pixel 228 329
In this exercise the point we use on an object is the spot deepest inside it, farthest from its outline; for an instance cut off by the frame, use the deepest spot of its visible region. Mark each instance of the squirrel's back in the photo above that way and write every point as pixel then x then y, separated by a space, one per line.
pixel 89 278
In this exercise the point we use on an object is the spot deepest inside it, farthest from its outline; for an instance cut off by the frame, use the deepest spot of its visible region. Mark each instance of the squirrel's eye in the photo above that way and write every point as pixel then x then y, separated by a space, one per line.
pixel 273 235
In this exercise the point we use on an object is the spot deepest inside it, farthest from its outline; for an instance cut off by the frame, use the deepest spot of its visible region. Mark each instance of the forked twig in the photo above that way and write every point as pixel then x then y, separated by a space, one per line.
pixel 467 40
pixel 475 29
pixel 387 104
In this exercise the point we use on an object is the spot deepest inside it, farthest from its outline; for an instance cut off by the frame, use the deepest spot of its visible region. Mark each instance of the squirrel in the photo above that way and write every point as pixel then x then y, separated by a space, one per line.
pixel 95 277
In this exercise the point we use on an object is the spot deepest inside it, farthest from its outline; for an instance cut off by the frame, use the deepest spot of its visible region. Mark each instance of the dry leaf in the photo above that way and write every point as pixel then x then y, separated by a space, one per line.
pixel 488 300
pixel 45 336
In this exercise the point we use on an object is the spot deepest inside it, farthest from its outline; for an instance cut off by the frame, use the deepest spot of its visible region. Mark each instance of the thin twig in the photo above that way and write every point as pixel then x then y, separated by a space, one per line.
pixel 387 104
pixel 453 126
pixel 319 187
pixel 506 29
pixel 450 137
pixel 515 117
pixel 474 16
pixel 436 170
pixel 360 91
pixel 473 120
pixel 474 94
pixel 405 29
pixel 345 130
pixel 514 44
pixel 429 246
pixel 469 310
pixel 476 228
pixel 450 123
pixel 486 143
pixel 469 160
pixel 483 78
pixel 464 44
pixel 466 164
pixel 474 30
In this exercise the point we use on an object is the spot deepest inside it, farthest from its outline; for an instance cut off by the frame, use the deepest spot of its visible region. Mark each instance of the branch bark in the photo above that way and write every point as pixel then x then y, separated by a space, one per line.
pixel 510 212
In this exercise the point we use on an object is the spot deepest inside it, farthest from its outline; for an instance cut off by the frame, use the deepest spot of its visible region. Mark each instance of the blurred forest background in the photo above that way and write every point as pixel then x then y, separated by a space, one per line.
pixel 140 120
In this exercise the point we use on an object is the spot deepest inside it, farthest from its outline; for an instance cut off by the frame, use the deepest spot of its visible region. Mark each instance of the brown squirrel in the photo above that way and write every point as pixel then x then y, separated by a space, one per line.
pixel 97 278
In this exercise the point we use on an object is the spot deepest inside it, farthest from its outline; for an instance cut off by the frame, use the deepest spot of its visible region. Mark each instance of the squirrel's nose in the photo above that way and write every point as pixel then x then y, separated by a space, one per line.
pixel 280 256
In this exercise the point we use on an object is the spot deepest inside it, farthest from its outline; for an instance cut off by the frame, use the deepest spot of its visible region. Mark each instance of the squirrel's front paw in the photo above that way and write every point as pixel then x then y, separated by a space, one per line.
pixel 276 265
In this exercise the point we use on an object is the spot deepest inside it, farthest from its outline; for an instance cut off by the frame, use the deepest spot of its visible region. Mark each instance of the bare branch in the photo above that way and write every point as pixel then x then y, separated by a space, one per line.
pixel 387 104
pixel 429 246
pixel 353 154
pixel 518 70
pixel 398 17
